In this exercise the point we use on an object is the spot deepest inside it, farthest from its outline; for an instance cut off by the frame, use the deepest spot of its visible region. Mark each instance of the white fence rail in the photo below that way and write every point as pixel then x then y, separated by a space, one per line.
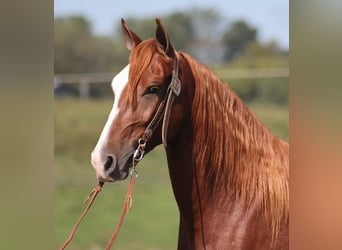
pixel 85 79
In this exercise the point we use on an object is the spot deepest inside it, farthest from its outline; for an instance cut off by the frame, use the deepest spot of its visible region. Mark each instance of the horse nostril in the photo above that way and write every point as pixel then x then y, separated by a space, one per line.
pixel 108 163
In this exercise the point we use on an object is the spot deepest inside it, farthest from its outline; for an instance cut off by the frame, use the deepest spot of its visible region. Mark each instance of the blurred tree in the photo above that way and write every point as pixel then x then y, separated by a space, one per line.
pixel 72 42
pixel 206 44
pixel 236 39
pixel 200 32
pixel 77 50
pixel 261 55
pixel 266 55
pixel 180 29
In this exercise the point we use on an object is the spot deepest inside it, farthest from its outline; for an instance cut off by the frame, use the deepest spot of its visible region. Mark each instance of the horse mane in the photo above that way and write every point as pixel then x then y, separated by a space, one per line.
pixel 243 158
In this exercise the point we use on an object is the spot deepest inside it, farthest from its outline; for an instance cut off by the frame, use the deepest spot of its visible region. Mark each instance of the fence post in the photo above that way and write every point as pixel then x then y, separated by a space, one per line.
pixel 84 88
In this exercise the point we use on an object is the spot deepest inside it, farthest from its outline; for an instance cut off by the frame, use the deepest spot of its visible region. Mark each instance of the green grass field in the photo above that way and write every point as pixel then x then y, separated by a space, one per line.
pixel 152 222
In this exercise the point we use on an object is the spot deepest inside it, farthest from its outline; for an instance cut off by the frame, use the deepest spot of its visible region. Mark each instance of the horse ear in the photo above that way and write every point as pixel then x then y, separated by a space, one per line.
pixel 163 38
pixel 131 39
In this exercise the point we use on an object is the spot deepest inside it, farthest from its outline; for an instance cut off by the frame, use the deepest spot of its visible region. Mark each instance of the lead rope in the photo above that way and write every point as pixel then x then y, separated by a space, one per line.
pixel 137 156
pixel 127 204
pixel 90 199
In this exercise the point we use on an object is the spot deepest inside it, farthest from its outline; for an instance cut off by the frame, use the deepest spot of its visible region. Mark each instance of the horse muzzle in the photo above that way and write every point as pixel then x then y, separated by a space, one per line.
pixel 109 168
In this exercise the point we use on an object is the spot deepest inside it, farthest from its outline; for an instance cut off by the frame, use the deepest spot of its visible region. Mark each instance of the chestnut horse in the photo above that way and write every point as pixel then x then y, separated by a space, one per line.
pixel 229 173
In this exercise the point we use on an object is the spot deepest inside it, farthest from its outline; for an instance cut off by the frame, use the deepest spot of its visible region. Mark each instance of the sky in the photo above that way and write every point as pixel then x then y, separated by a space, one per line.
pixel 270 17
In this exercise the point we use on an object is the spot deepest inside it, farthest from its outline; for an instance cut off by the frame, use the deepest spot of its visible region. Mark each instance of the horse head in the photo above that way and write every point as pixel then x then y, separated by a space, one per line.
pixel 141 92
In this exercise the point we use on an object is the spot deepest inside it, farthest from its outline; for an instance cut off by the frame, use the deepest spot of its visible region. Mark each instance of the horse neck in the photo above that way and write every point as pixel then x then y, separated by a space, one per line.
pixel 236 179
pixel 180 162
pixel 179 156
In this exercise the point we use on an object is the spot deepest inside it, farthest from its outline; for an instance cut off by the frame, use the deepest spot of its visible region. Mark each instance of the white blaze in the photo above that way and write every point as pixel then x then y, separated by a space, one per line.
pixel 98 156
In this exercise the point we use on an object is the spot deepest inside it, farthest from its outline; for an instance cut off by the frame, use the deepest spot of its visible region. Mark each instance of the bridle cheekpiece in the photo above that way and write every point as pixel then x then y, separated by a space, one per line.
pixel 163 112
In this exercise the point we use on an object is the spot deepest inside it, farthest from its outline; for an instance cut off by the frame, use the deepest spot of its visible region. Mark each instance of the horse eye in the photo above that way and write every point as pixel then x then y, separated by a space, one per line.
pixel 152 90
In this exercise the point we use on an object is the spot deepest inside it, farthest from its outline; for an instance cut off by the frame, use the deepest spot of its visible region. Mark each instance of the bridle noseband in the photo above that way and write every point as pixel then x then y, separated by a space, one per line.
pixel 163 112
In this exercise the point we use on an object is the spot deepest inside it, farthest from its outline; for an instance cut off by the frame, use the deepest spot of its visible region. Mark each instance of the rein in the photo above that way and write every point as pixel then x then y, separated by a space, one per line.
pixel 163 111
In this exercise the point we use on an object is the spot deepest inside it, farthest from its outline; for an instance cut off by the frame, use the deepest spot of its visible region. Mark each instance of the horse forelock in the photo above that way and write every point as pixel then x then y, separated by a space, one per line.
pixel 243 158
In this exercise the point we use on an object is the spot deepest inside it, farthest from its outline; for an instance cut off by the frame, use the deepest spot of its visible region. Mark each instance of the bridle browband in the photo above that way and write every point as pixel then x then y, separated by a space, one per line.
pixel 163 112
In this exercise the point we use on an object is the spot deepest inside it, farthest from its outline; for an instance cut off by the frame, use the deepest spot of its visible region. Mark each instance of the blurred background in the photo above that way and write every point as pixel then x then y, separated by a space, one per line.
pixel 245 43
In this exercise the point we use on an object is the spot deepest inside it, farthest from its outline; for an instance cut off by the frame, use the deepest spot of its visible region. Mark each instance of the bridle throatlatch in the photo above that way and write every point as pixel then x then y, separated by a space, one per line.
pixel 163 112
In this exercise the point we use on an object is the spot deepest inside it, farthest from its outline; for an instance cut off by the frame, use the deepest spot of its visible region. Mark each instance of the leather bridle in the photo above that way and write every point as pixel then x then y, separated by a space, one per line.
pixel 163 112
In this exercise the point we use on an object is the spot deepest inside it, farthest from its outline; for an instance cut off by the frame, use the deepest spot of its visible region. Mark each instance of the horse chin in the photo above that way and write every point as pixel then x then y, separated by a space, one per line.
pixel 122 175
pixel 119 174
pixel 114 176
